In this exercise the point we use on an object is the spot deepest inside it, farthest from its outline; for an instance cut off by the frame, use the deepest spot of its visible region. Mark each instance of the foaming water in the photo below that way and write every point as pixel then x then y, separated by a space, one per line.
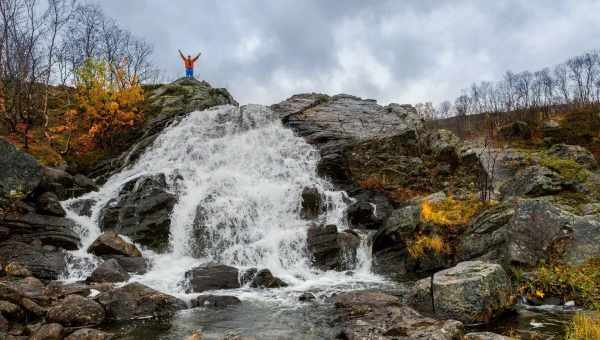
pixel 238 175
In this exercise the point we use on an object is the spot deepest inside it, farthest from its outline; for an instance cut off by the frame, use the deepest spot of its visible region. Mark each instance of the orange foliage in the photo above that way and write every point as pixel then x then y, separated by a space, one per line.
pixel 372 183
pixel 450 211
pixel 108 103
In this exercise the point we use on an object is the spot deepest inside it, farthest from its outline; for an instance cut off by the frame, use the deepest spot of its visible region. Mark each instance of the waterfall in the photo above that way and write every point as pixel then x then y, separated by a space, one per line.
pixel 239 173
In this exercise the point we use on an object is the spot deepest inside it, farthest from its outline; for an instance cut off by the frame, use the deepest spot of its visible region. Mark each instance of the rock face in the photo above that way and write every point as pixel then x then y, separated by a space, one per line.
pixel 142 212
pixel 76 311
pixel 42 263
pixel 575 153
pixel 109 271
pixel 472 292
pixel 215 301
pixel 212 276
pixel 20 173
pixel 136 301
pixel 50 230
pixel 372 315
pixel 167 104
pixel 389 245
pixel 110 243
pixel 533 181
pixel 330 250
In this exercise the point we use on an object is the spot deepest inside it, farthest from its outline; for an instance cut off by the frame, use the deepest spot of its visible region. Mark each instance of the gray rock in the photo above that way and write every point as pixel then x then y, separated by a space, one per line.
pixel 63 184
pixel 48 204
pixel 20 173
pixel 212 276
pixel 135 264
pixel 533 181
pixel 110 243
pixel 136 301
pixel 83 207
pixel 48 265
pixel 516 130
pixel 444 146
pixel 472 292
pixel 50 230
pixel 265 279
pixel 362 215
pixel 142 212
pixel 575 153
pixel 485 336
pixel 215 301
pixel 584 241
pixel 109 271
pixel 330 250
pixel 374 315
pixel 312 204
pixel 89 334
pixel 76 311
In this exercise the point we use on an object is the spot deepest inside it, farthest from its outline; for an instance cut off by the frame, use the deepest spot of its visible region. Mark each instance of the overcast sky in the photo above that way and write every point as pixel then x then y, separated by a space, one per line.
pixel 392 51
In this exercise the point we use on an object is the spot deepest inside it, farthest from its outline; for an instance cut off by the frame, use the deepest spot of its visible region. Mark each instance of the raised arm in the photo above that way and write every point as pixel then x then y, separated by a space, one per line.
pixel 198 56
pixel 181 55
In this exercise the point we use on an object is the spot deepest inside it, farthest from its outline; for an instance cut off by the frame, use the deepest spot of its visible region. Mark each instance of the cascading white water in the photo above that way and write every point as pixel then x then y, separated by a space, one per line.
pixel 246 172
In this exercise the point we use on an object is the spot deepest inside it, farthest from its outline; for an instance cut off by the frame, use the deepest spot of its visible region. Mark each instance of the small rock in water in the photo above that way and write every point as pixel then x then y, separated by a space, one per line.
pixel 306 296
pixel 265 279
pixel 215 301
pixel 570 303
pixel 535 324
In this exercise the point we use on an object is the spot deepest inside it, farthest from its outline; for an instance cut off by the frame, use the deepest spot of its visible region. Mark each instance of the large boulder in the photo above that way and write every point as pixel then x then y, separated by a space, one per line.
pixel 76 311
pixel 44 264
pixel 362 215
pixel 63 184
pixel 49 331
pixel 166 104
pixel 374 315
pixel 109 271
pixel 472 292
pixel 444 146
pixel 20 173
pixel 312 203
pixel 48 204
pixel 142 212
pixel 131 264
pixel 50 230
pixel 110 243
pixel 533 181
pixel 212 276
pixel 136 301
pixel 265 279
pixel 584 241
pixel 330 249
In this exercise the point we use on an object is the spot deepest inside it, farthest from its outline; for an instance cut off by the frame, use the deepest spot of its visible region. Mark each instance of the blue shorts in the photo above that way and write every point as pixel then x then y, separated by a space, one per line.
pixel 189 72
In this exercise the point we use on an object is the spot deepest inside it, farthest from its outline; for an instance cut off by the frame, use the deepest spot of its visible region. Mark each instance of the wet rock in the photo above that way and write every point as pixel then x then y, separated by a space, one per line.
pixel 142 212
pixel 76 311
pixel 485 336
pixel 51 331
pixel 306 297
pixel 472 292
pixel 362 215
pixel 389 243
pixel 17 270
pixel 374 315
pixel 48 204
pixel 109 271
pixel 110 243
pixel 215 301
pixel 43 264
pixel 212 276
pixel 136 301
pixel 516 130
pixel 575 153
pixel 20 173
pixel 58 290
pixel 83 207
pixel 533 181
pixel 248 276
pixel 50 230
pixel 265 279
pixel 89 334
pixel 11 311
pixel 135 264
pixel 312 205
pixel 329 250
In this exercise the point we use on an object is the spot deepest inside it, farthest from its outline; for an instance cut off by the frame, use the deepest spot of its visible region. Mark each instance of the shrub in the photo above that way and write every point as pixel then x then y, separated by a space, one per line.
pixel 584 326
pixel 423 243
pixel 451 211
pixel 373 183
pixel 567 168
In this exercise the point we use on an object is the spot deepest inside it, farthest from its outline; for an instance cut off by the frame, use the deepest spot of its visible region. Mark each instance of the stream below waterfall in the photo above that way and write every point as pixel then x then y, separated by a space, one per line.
pixel 247 172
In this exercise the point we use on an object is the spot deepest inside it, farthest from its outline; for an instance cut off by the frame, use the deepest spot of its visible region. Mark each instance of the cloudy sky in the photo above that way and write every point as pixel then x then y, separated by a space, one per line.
pixel 392 51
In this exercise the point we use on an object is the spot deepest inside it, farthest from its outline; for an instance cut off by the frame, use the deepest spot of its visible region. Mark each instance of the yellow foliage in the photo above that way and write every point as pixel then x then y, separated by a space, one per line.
pixel 584 326
pixel 423 243
pixel 450 211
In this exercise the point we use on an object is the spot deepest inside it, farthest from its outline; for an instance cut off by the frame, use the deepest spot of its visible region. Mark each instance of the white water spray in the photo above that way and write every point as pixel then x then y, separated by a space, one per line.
pixel 245 173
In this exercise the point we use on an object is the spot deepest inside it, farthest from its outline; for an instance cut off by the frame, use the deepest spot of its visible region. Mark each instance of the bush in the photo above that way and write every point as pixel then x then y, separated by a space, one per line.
pixel 567 168
pixel 423 243
pixel 451 211
pixel 584 326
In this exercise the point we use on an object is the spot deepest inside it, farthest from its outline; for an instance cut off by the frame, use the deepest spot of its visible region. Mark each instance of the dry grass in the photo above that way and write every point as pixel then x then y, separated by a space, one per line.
pixel 424 243
pixel 451 211
pixel 373 183
pixel 584 326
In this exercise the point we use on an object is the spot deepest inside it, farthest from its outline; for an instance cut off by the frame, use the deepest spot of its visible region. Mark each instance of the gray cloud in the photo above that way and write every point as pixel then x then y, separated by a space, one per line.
pixel 392 51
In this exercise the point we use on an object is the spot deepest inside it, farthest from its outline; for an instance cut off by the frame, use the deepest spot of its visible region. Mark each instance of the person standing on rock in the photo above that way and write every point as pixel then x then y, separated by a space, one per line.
pixel 188 62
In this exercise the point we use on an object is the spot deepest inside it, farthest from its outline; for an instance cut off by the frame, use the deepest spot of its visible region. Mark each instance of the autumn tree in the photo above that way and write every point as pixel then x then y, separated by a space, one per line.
pixel 108 104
